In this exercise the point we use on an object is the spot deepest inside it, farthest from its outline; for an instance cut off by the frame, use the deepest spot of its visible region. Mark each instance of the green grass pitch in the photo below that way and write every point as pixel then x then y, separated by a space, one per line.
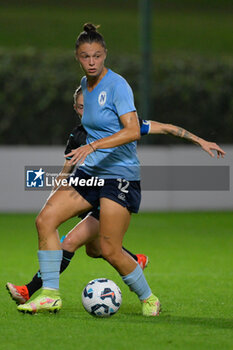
pixel 178 31
pixel 190 270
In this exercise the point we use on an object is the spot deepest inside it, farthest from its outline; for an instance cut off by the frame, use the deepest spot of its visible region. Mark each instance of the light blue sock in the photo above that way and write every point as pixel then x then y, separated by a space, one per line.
pixel 137 283
pixel 50 263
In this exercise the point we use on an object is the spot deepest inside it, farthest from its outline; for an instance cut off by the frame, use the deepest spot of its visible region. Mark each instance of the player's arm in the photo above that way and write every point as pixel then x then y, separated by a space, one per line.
pixel 129 133
pixel 161 128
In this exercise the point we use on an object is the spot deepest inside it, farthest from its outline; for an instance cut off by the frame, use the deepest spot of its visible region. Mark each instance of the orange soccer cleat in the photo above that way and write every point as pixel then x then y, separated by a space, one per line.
pixel 143 260
pixel 18 293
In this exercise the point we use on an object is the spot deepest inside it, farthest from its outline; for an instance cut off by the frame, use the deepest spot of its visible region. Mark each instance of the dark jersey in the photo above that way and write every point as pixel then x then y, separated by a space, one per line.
pixel 76 139
pixel 78 135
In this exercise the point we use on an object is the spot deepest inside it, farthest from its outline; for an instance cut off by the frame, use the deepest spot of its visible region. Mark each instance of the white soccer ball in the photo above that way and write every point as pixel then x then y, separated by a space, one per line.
pixel 101 297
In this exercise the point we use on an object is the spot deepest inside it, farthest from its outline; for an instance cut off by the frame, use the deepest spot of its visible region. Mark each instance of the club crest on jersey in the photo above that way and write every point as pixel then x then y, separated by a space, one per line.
pixel 102 98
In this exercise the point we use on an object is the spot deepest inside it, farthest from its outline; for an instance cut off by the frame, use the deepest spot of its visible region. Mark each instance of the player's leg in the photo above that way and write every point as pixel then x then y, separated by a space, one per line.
pixel 142 259
pixel 62 205
pixel 86 233
pixel 83 232
pixel 93 248
pixel 21 294
pixel 92 245
pixel 111 237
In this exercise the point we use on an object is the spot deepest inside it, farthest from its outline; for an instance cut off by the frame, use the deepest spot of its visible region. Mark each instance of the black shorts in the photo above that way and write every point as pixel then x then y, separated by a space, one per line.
pixel 126 193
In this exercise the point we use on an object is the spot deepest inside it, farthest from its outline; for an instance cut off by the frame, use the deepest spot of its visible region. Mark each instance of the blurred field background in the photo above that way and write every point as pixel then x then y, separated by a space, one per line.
pixel 191 73
pixel 178 27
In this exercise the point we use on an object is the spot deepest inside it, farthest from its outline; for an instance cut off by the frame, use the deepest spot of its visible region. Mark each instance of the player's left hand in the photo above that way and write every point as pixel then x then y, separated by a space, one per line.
pixel 211 146
pixel 79 154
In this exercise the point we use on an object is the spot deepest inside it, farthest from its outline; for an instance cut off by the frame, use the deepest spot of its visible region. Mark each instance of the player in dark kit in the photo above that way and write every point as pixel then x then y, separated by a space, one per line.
pixel 85 232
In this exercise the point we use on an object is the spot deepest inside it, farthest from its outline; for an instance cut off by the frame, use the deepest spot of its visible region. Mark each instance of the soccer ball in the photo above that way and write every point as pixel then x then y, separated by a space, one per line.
pixel 101 297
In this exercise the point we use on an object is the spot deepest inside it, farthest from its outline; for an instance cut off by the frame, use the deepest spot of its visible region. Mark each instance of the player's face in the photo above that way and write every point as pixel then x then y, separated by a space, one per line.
pixel 78 107
pixel 91 58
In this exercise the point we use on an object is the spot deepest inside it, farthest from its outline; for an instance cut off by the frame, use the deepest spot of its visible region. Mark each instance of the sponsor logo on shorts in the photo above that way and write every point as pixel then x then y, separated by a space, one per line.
pixel 121 196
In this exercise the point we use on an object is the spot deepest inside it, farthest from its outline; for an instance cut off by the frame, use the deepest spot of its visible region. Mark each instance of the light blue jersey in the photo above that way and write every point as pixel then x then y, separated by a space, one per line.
pixel 109 100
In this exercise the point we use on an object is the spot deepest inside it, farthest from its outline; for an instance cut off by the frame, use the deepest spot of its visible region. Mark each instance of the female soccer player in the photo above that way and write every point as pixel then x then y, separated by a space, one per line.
pixel 86 232
pixel 112 126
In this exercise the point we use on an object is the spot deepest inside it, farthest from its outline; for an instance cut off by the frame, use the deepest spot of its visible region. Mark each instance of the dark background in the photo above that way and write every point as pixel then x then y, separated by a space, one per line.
pixel 191 72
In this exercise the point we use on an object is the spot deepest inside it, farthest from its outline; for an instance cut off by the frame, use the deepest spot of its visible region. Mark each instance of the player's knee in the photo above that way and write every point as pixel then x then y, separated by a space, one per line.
pixel 44 222
pixel 39 222
pixel 110 254
pixel 92 252
pixel 69 244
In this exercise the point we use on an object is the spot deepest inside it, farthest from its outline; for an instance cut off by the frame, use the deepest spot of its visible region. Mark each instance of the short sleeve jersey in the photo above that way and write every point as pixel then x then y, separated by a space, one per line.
pixel 109 100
